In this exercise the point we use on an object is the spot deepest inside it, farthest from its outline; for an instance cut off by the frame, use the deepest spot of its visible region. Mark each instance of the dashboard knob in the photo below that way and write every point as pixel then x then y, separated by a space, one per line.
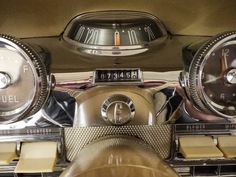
pixel 4 80
pixel 118 110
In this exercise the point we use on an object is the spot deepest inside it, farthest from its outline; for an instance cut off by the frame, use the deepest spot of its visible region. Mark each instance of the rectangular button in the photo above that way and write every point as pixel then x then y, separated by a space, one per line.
pixel 7 153
pixel 227 145
pixel 37 157
pixel 198 147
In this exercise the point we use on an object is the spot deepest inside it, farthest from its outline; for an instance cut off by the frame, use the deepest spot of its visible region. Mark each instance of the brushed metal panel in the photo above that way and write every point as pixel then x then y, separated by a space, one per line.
pixel 157 136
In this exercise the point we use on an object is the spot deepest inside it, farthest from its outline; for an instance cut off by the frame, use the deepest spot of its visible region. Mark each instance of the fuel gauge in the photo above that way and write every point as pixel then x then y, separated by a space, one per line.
pixel 23 80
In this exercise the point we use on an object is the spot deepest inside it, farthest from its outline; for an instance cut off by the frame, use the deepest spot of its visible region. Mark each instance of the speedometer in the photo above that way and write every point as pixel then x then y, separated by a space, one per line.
pixel 210 80
pixel 114 33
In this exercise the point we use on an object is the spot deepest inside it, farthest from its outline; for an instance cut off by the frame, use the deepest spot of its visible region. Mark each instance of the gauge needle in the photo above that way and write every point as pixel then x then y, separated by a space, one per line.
pixel 212 80
pixel 117 38
pixel 224 64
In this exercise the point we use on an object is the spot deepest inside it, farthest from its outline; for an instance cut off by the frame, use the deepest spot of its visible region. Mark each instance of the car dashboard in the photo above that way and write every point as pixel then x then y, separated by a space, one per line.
pixel 124 88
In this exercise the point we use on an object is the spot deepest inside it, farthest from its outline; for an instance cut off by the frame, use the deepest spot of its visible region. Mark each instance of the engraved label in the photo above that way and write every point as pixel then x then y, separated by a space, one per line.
pixel 9 99
pixel 128 75
pixel 134 75
pixel 95 52
pixel 222 96
pixel 25 68
pixel 151 35
pixel 132 37
pixel 39 131
pixel 121 75
pixel 195 128
pixel 108 75
pixel 80 33
pixel 115 75
pixel 225 52
pixel 102 76
pixel 230 126
pixel 91 37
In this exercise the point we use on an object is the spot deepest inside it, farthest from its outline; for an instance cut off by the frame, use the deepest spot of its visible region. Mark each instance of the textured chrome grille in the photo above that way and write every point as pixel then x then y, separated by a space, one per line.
pixel 158 136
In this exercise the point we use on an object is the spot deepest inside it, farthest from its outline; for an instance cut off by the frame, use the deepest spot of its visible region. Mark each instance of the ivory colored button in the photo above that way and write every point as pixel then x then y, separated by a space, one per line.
pixel 198 147
pixel 227 144
pixel 37 157
pixel 7 153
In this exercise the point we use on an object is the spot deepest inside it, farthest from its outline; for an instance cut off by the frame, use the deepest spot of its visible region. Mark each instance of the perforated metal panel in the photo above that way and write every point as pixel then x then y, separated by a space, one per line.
pixel 158 136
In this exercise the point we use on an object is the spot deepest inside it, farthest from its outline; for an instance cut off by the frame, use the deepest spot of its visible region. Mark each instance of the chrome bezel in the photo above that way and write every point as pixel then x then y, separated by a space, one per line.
pixel 196 92
pixel 13 47
pixel 41 82
pixel 117 98
pixel 99 50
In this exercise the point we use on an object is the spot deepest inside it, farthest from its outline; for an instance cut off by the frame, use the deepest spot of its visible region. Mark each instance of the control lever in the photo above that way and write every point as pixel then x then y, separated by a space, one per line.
pixel 165 104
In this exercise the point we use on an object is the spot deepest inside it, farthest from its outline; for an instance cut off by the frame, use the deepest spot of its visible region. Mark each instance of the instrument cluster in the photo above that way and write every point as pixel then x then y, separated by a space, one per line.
pixel 119 101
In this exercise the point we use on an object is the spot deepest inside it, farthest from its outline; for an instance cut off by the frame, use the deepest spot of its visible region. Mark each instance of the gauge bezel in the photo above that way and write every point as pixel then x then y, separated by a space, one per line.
pixel 41 80
pixel 112 50
pixel 195 90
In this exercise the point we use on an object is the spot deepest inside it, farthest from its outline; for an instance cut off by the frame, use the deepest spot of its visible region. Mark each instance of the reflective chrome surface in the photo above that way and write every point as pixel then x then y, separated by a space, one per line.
pixel 114 33
pixel 231 76
pixel 24 82
pixel 4 80
pixel 20 88
pixel 211 77
pixel 92 100
pixel 118 110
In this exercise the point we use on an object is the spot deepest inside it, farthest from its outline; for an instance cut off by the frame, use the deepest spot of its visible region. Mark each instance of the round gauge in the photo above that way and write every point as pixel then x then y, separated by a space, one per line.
pixel 212 76
pixel 114 33
pixel 23 80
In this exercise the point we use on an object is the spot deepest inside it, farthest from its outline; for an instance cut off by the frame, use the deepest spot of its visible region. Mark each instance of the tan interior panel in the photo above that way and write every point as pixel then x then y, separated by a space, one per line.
pixel 27 18
pixel 197 147
pixel 7 153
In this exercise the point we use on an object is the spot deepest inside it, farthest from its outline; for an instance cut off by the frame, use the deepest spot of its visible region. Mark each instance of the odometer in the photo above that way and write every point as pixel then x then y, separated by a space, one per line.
pixel 120 76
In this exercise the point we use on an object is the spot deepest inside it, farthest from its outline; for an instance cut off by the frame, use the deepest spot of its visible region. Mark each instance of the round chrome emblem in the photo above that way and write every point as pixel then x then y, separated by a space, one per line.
pixel 118 110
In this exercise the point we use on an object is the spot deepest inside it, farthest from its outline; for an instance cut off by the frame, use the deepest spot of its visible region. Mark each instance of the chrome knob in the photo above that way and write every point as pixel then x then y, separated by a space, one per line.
pixel 4 80
pixel 118 110
pixel 231 76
